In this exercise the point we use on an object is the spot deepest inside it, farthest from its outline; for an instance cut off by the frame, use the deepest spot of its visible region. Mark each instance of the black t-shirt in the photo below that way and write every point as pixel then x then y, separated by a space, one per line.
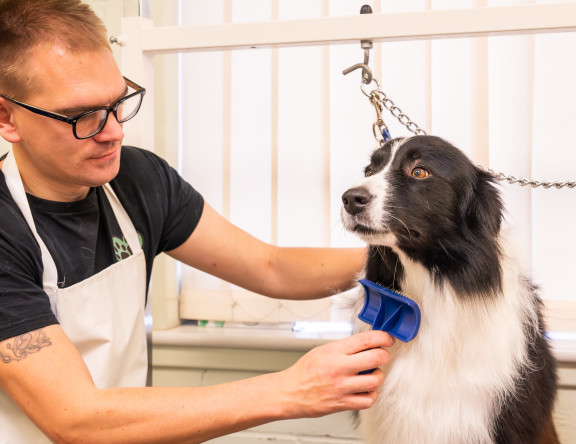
pixel 84 238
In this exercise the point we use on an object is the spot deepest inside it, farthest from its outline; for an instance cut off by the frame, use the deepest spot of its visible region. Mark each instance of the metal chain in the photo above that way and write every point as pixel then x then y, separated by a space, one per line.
pixel 524 182
pixel 381 101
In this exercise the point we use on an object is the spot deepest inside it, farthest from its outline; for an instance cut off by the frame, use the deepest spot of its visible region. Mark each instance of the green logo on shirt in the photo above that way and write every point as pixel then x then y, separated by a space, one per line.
pixel 121 248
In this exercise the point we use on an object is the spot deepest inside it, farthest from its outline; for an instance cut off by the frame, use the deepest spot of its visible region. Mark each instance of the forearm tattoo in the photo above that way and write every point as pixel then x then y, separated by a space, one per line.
pixel 19 347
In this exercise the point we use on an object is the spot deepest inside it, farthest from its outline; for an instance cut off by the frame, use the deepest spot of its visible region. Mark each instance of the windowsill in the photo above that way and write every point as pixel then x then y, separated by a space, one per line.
pixel 256 337
pixel 284 338
pixel 564 346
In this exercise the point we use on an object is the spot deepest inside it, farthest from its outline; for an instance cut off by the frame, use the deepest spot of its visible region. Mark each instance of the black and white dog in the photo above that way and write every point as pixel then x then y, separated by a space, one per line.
pixel 480 369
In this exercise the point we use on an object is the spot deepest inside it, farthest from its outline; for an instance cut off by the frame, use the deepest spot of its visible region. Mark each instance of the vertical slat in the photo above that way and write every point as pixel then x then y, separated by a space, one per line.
pixel 480 93
pixel 326 122
pixel 428 76
pixel 164 288
pixel 250 129
pixel 302 168
pixel 376 52
pixel 227 119
pixel 251 154
pixel 274 142
pixel 479 127
pixel 205 142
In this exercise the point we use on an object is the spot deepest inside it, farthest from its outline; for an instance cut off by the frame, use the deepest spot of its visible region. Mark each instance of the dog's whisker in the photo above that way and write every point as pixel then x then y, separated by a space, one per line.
pixel 405 226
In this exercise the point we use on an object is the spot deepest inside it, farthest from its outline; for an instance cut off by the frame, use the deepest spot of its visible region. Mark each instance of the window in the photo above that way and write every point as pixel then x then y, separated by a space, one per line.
pixel 272 137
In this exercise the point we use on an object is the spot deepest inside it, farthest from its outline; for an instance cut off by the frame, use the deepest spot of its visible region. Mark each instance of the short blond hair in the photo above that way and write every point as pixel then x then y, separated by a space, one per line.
pixel 26 25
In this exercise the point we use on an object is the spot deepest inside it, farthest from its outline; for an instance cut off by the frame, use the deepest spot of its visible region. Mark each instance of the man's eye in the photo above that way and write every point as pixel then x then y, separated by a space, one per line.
pixel 419 173
pixel 368 172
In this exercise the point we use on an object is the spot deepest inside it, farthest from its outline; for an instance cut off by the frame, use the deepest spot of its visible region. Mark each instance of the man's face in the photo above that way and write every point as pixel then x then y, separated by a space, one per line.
pixel 54 164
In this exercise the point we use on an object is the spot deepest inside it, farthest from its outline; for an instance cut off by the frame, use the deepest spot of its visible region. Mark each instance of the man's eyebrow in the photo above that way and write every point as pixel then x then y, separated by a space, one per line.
pixel 75 110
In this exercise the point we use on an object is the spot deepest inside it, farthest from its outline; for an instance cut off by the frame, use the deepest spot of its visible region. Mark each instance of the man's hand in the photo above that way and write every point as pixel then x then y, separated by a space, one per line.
pixel 327 380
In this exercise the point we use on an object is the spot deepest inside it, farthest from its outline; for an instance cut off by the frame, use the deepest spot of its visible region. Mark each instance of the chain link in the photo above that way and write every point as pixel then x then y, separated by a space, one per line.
pixel 388 104
pixel 381 101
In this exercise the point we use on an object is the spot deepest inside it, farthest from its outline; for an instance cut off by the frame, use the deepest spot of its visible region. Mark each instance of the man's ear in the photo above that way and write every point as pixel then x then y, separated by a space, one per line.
pixel 7 128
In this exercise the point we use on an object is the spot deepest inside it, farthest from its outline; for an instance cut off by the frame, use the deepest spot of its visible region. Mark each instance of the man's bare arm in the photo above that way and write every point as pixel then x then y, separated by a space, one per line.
pixel 54 388
pixel 220 248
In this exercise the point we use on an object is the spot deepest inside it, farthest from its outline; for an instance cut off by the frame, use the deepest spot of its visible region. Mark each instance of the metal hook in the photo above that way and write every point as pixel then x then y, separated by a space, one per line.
pixel 366 45
pixel 366 72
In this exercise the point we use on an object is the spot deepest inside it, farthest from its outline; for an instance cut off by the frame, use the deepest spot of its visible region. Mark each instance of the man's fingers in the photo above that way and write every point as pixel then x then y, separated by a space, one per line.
pixel 364 390
pixel 361 401
pixel 367 340
pixel 366 383
pixel 367 360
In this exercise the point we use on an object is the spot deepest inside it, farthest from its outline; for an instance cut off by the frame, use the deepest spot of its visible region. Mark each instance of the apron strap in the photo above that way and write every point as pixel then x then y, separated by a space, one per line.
pixel 124 221
pixel 16 187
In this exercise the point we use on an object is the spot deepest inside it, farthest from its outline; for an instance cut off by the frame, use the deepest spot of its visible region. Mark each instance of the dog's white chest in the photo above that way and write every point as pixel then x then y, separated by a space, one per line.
pixel 429 406
pixel 445 385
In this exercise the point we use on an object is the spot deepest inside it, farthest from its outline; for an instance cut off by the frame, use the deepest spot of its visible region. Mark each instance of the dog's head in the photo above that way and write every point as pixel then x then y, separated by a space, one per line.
pixel 423 196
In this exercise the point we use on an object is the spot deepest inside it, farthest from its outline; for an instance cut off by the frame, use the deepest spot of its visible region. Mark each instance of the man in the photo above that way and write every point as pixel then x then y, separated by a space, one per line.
pixel 72 347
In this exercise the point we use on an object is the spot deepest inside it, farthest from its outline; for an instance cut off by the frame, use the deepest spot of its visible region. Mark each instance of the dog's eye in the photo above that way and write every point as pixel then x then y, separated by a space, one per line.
pixel 368 172
pixel 419 173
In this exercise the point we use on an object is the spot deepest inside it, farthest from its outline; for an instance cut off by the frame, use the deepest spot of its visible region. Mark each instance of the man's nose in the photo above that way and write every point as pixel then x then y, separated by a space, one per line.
pixel 112 130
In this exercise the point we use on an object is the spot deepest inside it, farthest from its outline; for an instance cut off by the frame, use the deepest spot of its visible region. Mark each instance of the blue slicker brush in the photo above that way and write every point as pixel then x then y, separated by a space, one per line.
pixel 389 311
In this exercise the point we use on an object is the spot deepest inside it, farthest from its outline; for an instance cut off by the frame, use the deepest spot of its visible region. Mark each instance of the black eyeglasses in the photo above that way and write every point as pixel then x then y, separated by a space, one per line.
pixel 90 123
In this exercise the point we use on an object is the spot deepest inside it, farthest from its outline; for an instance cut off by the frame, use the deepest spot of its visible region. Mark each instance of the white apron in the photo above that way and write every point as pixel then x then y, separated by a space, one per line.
pixel 103 315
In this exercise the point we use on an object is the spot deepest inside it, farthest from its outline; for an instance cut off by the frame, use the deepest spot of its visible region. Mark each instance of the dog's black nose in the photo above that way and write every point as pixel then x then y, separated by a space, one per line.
pixel 356 199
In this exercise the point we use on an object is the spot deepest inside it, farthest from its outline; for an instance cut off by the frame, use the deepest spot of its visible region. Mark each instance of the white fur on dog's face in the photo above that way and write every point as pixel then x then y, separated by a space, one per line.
pixel 371 225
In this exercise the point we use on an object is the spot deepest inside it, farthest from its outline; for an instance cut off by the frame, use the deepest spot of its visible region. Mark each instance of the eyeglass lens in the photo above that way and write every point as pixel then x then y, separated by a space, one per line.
pixel 92 123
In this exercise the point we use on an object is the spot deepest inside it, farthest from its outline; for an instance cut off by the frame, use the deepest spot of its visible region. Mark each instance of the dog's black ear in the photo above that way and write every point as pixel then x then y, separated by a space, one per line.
pixel 483 206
